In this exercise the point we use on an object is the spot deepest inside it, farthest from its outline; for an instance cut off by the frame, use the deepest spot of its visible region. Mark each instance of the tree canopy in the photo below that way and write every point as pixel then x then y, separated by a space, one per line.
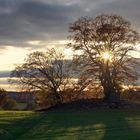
pixel 44 72
pixel 106 43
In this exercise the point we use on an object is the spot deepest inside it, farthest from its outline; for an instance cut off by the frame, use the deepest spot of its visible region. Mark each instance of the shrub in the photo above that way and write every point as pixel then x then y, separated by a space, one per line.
pixel 9 104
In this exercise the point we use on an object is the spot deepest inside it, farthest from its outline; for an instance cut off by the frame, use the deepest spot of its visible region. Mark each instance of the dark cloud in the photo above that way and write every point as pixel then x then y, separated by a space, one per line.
pixel 4 74
pixel 45 20
pixel 34 21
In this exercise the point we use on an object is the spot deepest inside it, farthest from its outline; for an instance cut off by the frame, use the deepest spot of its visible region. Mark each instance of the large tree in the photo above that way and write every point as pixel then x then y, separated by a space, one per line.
pixel 43 72
pixel 105 45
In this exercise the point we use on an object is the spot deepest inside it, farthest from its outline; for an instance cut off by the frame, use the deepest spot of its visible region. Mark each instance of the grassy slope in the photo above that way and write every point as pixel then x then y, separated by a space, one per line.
pixel 80 125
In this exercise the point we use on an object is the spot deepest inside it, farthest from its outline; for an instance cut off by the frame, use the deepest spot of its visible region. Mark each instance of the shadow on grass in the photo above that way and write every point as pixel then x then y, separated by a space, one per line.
pixel 122 125
pixel 14 124
pixel 94 125
pixel 71 125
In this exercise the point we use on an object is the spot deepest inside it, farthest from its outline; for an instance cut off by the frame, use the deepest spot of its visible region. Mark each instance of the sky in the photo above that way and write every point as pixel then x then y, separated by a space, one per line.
pixel 30 25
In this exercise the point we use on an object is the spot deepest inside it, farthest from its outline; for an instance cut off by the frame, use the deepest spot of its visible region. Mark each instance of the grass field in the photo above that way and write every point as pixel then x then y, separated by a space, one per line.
pixel 80 125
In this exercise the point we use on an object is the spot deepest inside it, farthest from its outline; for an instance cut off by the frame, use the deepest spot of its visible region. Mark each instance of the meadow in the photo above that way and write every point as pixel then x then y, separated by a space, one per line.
pixel 70 125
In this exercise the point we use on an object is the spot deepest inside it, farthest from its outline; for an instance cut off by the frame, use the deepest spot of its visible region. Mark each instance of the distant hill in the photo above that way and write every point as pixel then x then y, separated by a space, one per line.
pixel 5 74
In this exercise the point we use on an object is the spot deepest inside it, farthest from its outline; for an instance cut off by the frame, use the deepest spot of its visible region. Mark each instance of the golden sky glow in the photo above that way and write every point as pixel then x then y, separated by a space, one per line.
pixel 12 56
pixel 68 53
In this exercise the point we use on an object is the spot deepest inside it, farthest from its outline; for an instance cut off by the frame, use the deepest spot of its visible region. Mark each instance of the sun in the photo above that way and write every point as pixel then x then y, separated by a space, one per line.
pixel 106 56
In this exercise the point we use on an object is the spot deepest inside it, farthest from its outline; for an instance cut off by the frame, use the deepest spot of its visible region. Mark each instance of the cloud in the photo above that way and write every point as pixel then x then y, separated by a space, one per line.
pixel 33 21
pixel 5 74
pixel 47 20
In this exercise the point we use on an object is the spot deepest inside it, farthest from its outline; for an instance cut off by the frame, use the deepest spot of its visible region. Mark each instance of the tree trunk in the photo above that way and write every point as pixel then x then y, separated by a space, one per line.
pixel 112 97
pixel 110 90
pixel 57 97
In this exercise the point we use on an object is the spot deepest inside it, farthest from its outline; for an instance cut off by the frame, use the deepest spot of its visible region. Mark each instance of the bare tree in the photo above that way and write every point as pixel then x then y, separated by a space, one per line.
pixel 106 43
pixel 42 72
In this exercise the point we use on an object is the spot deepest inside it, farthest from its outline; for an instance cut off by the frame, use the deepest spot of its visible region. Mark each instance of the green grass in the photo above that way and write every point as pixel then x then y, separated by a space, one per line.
pixel 80 125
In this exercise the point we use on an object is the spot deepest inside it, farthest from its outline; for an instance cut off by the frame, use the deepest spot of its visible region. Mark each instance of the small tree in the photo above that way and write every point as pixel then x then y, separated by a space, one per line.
pixel 2 96
pixel 6 102
pixel 106 43
pixel 9 104
pixel 43 72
